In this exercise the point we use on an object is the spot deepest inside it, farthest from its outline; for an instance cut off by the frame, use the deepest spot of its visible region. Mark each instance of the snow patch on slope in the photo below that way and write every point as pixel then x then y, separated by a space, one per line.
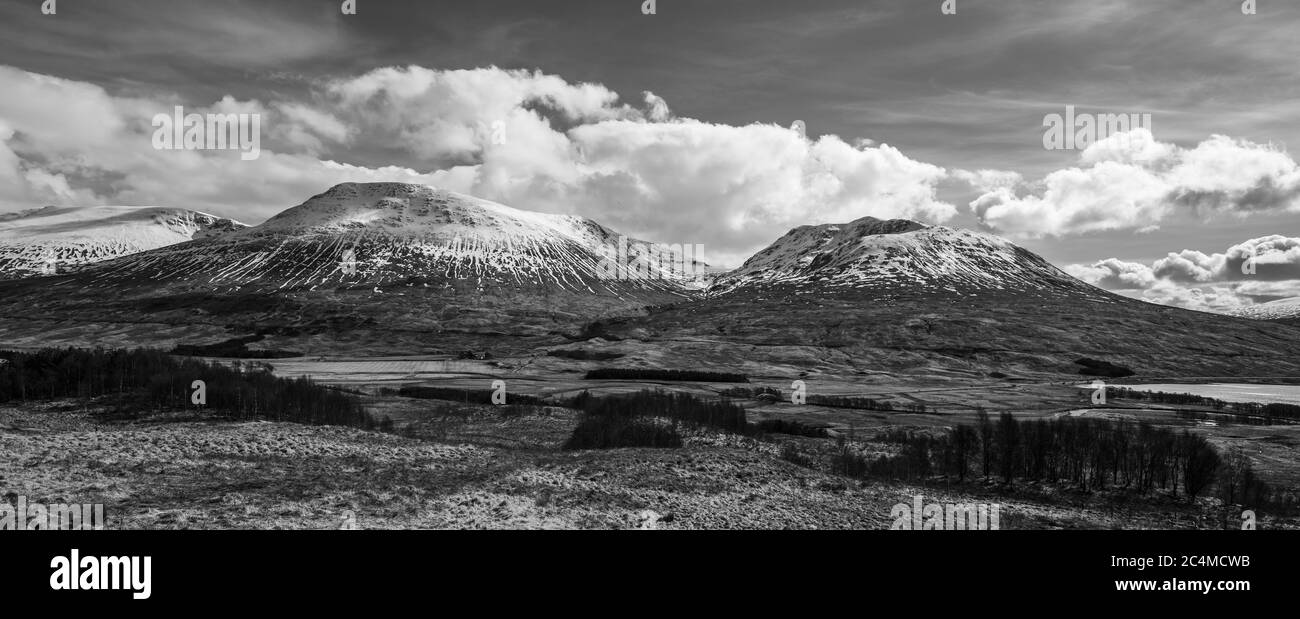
pixel 1272 310
pixel 48 240
pixel 375 235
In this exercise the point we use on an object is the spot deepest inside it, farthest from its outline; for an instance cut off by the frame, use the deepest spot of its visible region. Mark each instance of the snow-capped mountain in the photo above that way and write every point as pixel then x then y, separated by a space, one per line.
pixel 405 265
pixel 912 298
pixel 869 253
pixel 382 235
pixel 52 240
pixel 1280 309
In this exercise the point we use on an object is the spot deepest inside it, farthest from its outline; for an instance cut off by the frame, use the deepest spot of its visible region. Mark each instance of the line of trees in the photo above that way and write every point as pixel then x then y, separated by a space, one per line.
pixel 1091 454
pixel 1088 453
pixel 652 374
pixel 235 348
pixel 470 396
pixel 748 392
pixel 841 401
pixel 143 380
pixel 1253 409
pixel 1267 411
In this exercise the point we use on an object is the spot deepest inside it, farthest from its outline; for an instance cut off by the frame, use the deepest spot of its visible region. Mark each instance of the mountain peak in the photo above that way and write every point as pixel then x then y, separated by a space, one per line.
pixel 377 236
pixel 871 226
pixel 895 253
pixel 414 211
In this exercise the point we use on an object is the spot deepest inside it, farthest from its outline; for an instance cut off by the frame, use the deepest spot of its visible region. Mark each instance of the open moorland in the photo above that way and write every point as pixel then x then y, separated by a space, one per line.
pixel 436 462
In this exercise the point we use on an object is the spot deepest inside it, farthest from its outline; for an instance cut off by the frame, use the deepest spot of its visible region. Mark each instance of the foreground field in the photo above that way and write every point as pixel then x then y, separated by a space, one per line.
pixel 450 465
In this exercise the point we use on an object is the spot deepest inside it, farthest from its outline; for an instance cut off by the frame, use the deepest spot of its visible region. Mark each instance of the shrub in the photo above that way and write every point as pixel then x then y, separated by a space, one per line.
pixel 849 462
pixel 608 431
pixel 638 420
pixel 1095 367
pixel 144 379
pixel 796 428
pixel 791 452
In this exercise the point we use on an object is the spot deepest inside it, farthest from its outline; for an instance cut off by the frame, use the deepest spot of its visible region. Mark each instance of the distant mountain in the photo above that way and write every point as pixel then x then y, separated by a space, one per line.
pixel 1281 309
pixel 872 254
pixel 51 240
pixel 387 268
pixel 383 256
pixel 899 297
pixel 400 234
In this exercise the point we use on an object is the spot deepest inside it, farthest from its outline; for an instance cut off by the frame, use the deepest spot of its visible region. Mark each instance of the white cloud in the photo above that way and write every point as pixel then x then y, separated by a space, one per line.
pixel 524 138
pixel 1114 274
pixel 1219 299
pixel 1129 181
pixel 1273 258
pixel 309 128
pixel 1212 282
pixel 988 180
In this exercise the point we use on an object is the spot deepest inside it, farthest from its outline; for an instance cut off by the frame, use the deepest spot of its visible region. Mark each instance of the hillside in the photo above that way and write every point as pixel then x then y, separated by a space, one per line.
pixel 401 267
pixel 903 298
pixel 53 240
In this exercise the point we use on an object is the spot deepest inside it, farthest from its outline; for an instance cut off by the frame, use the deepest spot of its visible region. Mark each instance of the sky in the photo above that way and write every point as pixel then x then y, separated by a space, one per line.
pixel 679 126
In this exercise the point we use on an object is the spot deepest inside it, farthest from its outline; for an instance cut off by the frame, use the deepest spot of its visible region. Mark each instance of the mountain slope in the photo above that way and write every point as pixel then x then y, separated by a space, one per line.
pixel 900 297
pixel 382 256
pixel 886 255
pixel 1281 309
pixel 49 240
pixel 379 235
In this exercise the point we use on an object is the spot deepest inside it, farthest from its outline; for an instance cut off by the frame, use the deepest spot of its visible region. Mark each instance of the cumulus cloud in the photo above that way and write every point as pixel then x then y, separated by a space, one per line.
pixel 1255 271
pixel 1115 274
pixel 1129 181
pixel 1218 299
pixel 524 138
pixel 537 142
pixel 1270 258
pixel 308 128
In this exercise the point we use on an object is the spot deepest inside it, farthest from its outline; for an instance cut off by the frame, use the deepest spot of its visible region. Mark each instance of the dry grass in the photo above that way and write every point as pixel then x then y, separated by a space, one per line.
pixel 465 466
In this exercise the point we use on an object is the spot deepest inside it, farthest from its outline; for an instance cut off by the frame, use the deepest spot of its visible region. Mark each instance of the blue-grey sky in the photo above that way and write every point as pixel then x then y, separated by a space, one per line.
pixel 908 112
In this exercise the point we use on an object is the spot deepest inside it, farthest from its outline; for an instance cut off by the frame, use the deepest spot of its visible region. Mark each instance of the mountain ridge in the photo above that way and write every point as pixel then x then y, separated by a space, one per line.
pixel 50 239
pixel 1281 310
pixel 371 256
pixel 407 269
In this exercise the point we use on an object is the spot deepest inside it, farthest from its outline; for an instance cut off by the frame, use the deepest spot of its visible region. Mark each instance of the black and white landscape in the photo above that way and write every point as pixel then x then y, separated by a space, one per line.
pixel 696 265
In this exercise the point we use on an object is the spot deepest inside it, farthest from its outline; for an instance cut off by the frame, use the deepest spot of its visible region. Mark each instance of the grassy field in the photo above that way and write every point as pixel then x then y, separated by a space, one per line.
pixel 453 465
